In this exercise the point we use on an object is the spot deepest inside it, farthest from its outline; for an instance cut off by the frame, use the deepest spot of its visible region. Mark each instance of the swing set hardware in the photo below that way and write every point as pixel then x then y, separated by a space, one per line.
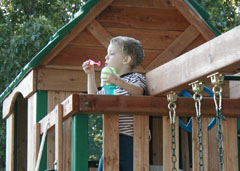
pixel 172 96
pixel 216 78
pixel 217 81
pixel 197 88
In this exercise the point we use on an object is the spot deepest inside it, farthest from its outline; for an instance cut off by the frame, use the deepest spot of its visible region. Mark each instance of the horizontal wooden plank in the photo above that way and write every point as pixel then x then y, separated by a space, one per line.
pixel 73 56
pixel 98 104
pixel 145 18
pixel 143 3
pixel 150 39
pixel 62 80
pixel 221 54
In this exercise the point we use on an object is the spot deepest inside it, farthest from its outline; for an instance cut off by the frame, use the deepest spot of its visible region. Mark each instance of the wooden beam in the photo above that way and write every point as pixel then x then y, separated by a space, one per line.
pixel 102 35
pixel 110 143
pixel 10 143
pixel 26 87
pixel 230 144
pixel 221 54
pixel 59 138
pixel 141 143
pixel 176 48
pixel 97 104
pixel 193 18
pixel 95 11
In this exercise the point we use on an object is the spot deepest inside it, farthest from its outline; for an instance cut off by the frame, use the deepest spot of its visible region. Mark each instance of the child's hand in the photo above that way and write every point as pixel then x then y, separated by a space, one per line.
pixel 88 69
pixel 111 77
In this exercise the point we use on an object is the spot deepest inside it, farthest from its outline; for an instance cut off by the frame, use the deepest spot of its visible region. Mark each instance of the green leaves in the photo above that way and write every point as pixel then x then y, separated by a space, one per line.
pixel 224 14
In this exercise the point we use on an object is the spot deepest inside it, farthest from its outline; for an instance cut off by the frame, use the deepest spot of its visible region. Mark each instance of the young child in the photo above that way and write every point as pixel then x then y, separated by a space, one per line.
pixel 123 54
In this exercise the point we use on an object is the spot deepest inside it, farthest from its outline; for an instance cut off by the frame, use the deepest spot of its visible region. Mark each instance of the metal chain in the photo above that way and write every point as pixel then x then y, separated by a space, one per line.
pixel 217 95
pixel 172 97
pixel 197 88
pixel 217 80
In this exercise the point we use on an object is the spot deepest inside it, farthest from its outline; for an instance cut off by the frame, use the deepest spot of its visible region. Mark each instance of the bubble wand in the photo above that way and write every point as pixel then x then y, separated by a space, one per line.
pixel 92 62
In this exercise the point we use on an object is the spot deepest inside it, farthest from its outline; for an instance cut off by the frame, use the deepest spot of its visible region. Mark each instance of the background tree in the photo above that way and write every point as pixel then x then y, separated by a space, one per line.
pixel 25 27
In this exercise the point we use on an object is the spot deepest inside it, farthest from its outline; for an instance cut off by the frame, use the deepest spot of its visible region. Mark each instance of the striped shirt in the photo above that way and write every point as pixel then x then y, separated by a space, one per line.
pixel 126 121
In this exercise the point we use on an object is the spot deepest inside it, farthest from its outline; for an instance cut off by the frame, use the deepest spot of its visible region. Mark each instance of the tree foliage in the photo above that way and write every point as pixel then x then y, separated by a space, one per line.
pixel 25 27
pixel 224 14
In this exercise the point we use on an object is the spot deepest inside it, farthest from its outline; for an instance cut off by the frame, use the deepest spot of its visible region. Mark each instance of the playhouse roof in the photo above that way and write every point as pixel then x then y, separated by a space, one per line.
pixel 67 28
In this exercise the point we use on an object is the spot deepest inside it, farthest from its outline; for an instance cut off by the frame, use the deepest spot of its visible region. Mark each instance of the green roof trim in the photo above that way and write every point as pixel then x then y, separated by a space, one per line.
pixel 203 14
pixel 62 32
pixel 53 41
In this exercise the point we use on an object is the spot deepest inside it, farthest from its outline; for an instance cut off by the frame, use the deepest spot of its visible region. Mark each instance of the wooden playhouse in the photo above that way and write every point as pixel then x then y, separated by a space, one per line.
pixel 47 97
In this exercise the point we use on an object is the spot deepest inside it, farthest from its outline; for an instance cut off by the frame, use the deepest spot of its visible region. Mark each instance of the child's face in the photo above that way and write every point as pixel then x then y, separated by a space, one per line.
pixel 114 56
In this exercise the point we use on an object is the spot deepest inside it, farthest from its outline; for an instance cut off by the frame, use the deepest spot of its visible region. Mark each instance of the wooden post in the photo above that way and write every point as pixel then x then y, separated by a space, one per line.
pixel 32 113
pixel 141 143
pixel 59 138
pixel 167 141
pixel 10 143
pixel 230 144
pixel 110 143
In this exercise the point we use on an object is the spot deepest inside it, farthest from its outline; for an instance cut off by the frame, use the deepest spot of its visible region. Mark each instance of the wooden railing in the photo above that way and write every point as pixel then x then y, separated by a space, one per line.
pixel 142 107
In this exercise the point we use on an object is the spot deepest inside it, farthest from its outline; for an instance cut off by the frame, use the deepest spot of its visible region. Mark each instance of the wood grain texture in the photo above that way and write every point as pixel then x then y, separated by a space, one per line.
pixel 221 54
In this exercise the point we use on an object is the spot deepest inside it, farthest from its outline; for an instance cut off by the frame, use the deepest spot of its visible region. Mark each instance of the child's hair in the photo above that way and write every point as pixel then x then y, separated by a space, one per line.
pixel 131 47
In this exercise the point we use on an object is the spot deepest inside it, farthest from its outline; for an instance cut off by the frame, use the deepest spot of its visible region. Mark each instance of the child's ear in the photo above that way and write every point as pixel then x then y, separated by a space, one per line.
pixel 127 60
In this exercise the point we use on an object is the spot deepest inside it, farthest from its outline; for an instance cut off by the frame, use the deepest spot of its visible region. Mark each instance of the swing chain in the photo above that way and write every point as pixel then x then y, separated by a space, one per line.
pixel 217 80
pixel 197 88
pixel 172 98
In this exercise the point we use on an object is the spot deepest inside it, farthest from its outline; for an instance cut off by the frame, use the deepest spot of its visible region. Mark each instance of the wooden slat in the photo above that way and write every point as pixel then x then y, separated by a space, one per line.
pixel 176 48
pixel 10 143
pixel 167 141
pixel 157 139
pixel 54 98
pixel 212 148
pixel 141 143
pixel 99 33
pixel 59 138
pixel 185 146
pixel 195 144
pixel 59 80
pixel 31 134
pixel 26 87
pixel 230 144
pixel 150 39
pixel 49 119
pixel 97 104
pixel 193 18
pixel 110 143
pixel 220 54
pixel 134 17
pixel 95 11
pixel 70 105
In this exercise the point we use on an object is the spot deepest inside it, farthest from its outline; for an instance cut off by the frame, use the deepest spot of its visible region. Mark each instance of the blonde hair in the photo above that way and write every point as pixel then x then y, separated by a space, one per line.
pixel 131 47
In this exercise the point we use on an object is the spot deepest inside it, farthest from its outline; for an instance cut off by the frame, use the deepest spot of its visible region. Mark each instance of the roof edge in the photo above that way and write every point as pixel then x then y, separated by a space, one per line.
pixel 53 41
pixel 201 12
